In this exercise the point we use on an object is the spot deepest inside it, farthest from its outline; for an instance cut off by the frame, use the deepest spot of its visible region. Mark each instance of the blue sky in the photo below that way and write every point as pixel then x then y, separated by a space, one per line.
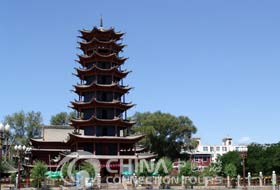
pixel 214 61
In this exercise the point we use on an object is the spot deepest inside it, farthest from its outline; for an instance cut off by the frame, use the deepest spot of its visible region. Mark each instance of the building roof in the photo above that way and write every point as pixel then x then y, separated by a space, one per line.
pixel 113 139
pixel 55 133
pixel 78 122
pixel 97 70
pixel 95 56
pixel 104 87
pixel 95 103
pixel 99 32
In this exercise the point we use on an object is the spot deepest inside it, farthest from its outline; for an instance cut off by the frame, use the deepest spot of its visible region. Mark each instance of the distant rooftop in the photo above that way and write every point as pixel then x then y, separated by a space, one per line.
pixel 55 133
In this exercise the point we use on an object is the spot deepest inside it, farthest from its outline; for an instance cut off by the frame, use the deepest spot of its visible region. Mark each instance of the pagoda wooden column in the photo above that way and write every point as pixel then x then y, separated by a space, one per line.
pixel 118 149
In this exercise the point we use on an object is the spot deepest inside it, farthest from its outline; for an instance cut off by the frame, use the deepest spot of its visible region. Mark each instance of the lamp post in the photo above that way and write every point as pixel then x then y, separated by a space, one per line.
pixel 20 150
pixel 4 131
pixel 244 154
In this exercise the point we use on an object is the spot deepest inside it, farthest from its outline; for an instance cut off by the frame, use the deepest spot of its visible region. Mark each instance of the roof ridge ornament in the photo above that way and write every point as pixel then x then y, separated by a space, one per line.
pixel 101 22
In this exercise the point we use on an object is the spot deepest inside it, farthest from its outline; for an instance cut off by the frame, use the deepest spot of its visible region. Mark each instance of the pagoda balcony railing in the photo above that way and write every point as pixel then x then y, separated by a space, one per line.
pixel 102 101
pixel 116 54
pixel 94 65
pixel 95 82
pixel 114 118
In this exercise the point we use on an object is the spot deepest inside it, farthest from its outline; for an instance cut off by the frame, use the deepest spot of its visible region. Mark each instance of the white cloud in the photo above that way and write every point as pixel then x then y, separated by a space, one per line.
pixel 244 140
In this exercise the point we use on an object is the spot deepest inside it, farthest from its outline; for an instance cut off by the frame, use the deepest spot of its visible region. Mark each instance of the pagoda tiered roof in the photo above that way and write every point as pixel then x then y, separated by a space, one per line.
pixel 108 139
pixel 94 70
pixel 37 142
pixel 100 33
pixel 104 87
pixel 95 103
pixel 94 43
pixel 108 157
pixel 96 121
pixel 97 57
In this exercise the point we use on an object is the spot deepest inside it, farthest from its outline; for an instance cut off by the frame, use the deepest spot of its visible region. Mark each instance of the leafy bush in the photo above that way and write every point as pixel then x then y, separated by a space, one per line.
pixel 38 173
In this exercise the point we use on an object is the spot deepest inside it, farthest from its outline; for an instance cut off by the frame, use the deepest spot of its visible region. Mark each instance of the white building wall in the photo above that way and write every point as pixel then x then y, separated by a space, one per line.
pixel 219 150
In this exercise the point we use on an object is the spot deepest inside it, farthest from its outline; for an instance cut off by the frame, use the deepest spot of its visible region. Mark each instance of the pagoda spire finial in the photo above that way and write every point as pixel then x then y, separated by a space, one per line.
pixel 101 22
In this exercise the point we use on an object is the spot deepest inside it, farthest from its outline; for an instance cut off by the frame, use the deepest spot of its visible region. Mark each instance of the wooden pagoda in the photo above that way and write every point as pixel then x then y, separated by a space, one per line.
pixel 101 126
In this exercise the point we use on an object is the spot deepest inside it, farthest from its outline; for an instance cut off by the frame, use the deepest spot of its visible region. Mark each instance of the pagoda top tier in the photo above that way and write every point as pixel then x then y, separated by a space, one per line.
pixel 101 34
pixel 94 42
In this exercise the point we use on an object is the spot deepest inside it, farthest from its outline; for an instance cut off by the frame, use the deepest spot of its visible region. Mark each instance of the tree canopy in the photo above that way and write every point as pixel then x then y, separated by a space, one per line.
pixel 62 118
pixel 24 125
pixel 260 158
pixel 165 134
pixel 232 158
pixel 263 158
pixel 187 169
pixel 230 170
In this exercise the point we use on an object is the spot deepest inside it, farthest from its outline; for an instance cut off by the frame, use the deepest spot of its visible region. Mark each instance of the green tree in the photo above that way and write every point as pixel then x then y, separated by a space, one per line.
pixel 4 165
pixel 187 169
pixel 33 122
pixel 256 160
pixel 213 169
pixel 62 118
pixel 232 157
pixel 265 158
pixel 230 170
pixel 145 168
pixel 164 166
pixel 38 173
pixel 24 125
pixel 1 165
pixel 17 123
pixel 165 133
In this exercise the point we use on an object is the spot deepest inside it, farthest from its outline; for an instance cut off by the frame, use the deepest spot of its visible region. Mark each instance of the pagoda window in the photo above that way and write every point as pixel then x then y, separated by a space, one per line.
pixel 119 112
pixel 88 96
pixel 98 149
pixel 103 51
pixel 105 131
pixel 89 131
pixel 113 149
pixel 105 96
pixel 111 131
pixel 104 65
pixel 117 96
pixel 117 132
pixel 87 114
pixel 104 79
pixel 88 147
pixel 90 79
pixel 106 149
pixel 105 113
pixel 89 65
pixel 116 79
